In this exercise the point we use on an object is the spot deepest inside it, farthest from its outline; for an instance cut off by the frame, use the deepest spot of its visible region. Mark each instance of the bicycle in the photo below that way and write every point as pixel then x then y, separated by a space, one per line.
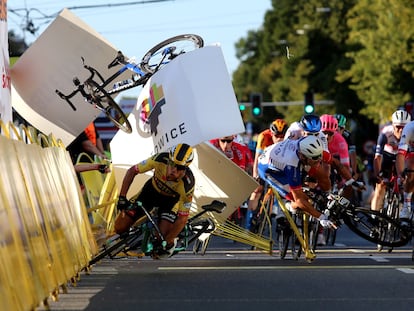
pixel 393 200
pixel 372 226
pixel 98 93
pixel 147 236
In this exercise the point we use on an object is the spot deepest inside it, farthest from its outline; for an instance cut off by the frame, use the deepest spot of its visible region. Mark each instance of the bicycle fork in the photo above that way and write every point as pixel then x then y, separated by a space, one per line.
pixel 303 239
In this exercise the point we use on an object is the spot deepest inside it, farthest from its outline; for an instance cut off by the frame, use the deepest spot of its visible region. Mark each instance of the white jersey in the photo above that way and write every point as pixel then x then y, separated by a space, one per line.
pixel 280 155
pixel 407 138
pixel 294 131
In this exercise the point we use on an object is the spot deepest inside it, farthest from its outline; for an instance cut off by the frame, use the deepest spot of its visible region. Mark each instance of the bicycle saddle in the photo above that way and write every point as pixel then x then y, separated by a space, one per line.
pixel 215 206
pixel 119 59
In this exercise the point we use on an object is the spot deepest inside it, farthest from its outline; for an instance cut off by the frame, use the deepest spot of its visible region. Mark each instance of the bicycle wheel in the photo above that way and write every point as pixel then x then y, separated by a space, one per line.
pixel 313 233
pixel 330 236
pixel 283 234
pixel 295 246
pixel 167 50
pixel 123 242
pixel 376 227
pixel 106 103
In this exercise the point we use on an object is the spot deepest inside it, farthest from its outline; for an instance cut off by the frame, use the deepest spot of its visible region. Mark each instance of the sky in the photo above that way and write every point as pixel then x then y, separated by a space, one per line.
pixel 134 29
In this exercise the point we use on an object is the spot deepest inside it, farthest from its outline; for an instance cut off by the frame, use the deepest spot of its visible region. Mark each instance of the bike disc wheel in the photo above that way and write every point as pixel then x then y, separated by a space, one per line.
pixel 106 103
pixel 376 227
pixel 154 59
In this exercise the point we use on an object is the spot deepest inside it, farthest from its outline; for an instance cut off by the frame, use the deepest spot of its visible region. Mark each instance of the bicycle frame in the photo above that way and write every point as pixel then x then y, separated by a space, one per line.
pixel 302 238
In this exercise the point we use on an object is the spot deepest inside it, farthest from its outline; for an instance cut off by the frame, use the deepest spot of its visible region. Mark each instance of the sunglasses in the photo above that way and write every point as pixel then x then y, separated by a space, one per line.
pixel 226 140
pixel 178 167
pixel 399 127
pixel 329 133
pixel 315 158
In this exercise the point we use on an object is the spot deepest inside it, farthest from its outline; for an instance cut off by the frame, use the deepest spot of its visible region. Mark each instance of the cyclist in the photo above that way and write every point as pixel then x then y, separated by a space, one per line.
pixel 240 155
pixel 405 160
pixel 282 165
pixel 170 189
pixel 274 134
pixel 351 145
pixel 385 155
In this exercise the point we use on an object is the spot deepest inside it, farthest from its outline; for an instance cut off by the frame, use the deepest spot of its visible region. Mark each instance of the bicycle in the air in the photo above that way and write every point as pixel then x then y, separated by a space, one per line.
pixel 99 92
pixel 147 237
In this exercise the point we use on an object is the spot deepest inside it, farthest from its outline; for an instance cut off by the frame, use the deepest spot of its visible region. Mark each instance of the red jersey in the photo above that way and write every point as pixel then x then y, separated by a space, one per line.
pixel 240 154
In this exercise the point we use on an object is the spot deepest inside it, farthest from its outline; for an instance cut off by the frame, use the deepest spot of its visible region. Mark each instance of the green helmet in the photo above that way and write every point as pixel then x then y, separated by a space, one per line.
pixel 341 120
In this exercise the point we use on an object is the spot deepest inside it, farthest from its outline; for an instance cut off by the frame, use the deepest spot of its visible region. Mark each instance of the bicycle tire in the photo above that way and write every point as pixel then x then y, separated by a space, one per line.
pixel 330 236
pixel 149 63
pixel 313 233
pixel 375 227
pixel 283 233
pixel 296 247
pixel 114 248
pixel 111 108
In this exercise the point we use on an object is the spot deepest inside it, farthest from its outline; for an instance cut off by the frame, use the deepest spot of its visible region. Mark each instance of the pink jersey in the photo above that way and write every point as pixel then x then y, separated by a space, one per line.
pixel 338 147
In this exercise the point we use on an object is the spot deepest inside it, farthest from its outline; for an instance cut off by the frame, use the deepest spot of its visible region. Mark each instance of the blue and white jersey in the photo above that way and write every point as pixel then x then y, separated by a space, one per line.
pixel 280 166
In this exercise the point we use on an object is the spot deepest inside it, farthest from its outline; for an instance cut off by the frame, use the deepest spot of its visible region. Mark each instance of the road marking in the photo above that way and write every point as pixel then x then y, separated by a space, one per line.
pixel 401 268
pixel 379 259
pixel 406 270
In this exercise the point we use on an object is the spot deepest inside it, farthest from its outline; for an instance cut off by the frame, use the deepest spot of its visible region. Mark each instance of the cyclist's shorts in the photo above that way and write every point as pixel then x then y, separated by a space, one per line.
pixel 387 165
pixel 150 199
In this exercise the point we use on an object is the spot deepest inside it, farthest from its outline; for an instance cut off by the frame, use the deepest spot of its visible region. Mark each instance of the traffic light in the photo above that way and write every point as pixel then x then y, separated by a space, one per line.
pixel 309 106
pixel 242 107
pixel 256 100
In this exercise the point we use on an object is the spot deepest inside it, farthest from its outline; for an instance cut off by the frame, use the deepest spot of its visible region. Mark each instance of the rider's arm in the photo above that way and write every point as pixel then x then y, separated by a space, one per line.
pixel 302 201
pixel 128 179
pixel 134 170
pixel 400 163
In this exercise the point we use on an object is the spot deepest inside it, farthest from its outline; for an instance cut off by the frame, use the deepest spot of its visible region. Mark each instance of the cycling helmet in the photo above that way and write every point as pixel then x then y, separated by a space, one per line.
pixel 400 117
pixel 329 123
pixel 310 123
pixel 182 154
pixel 311 147
pixel 279 127
pixel 341 120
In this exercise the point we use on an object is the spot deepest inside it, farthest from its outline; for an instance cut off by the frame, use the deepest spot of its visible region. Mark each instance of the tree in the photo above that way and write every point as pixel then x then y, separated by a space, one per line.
pixel 381 49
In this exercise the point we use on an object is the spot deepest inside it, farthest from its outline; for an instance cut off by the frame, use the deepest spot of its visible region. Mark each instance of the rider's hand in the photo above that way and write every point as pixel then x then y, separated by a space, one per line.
pixel 325 222
pixel 123 203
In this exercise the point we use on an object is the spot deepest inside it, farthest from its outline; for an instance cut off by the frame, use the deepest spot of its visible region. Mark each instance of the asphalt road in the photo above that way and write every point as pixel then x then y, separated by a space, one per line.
pixel 351 275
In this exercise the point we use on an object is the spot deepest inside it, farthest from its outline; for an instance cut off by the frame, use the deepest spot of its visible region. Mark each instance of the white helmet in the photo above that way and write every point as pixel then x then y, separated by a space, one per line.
pixel 400 117
pixel 311 147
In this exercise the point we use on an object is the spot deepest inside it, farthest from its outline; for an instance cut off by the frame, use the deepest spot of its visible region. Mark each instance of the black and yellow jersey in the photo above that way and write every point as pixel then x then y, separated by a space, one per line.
pixel 182 189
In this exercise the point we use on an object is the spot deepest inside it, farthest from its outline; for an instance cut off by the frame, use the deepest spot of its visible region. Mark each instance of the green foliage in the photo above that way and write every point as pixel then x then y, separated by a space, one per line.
pixel 358 53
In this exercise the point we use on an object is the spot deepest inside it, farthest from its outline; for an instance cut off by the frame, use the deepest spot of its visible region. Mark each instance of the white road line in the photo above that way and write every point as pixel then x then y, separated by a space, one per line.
pixel 406 270
pixel 379 259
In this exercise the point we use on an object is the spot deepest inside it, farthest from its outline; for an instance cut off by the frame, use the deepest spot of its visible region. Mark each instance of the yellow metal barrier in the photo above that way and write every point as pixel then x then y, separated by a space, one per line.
pixel 45 236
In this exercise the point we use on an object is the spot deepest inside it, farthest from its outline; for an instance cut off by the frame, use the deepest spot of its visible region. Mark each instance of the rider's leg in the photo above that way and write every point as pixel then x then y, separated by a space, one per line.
pixel 378 197
pixel 408 189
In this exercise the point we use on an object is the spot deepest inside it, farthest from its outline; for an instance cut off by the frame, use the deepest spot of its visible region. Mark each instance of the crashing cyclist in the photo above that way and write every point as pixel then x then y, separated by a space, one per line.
pixel 170 189
pixel 282 166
